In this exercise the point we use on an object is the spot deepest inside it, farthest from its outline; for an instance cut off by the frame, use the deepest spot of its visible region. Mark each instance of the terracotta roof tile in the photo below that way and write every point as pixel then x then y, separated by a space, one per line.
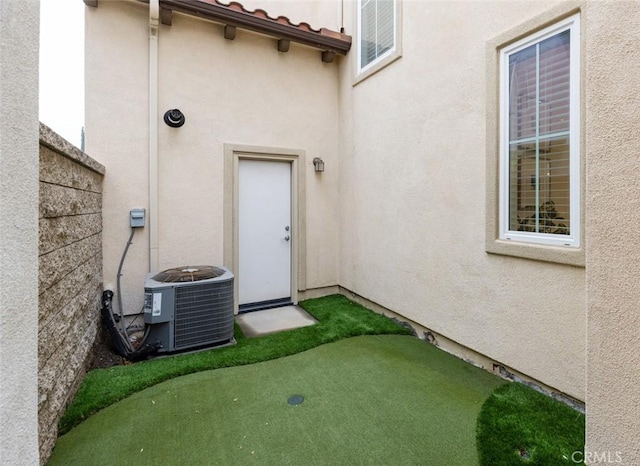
pixel 263 14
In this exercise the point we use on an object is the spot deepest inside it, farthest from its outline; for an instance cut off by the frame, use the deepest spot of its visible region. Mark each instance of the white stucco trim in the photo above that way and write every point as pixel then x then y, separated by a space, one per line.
pixel 233 153
pixel 494 244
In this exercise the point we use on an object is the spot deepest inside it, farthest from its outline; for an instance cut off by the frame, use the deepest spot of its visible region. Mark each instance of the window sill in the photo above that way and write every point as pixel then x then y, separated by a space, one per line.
pixel 386 61
pixel 539 252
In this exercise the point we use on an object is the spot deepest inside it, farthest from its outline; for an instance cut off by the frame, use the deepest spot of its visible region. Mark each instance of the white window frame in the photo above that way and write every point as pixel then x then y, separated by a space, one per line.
pixel 573 239
pixel 387 57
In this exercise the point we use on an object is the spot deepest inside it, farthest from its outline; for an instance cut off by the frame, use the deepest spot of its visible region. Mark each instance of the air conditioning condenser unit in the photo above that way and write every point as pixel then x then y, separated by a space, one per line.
pixel 189 307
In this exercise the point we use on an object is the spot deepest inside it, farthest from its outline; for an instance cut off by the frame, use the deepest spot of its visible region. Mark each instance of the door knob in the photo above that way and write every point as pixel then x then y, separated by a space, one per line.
pixel 287 238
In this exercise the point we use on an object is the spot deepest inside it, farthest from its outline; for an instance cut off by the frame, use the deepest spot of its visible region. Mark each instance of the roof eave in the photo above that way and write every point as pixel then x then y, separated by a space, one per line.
pixel 235 15
pixel 323 39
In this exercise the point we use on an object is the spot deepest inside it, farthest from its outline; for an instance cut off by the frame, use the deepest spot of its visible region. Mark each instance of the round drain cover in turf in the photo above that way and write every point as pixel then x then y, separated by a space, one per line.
pixel 295 399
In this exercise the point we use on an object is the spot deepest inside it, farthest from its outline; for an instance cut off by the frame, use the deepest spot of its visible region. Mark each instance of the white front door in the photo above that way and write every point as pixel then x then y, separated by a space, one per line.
pixel 264 231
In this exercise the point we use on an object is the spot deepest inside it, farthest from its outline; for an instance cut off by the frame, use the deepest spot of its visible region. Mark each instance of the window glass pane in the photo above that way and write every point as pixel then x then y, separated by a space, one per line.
pixel 522 94
pixel 557 153
pixel 554 84
pixel 377 29
pixel 386 26
pixel 539 196
pixel 539 116
pixel 368 32
pixel 517 209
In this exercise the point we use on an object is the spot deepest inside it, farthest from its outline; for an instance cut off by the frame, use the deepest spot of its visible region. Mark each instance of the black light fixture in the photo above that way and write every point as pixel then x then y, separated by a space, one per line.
pixel 318 164
pixel 174 118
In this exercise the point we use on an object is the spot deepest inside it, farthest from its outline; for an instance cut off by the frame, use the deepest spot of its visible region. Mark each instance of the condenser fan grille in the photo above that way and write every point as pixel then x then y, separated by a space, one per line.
pixel 191 273
pixel 203 313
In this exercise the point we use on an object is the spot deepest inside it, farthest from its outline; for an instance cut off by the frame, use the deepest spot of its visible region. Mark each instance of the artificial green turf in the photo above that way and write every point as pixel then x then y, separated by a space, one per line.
pixel 519 426
pixel 389 400
pixel 338 318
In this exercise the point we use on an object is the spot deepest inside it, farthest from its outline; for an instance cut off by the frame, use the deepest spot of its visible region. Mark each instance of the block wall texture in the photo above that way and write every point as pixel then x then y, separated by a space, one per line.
pixel 70 276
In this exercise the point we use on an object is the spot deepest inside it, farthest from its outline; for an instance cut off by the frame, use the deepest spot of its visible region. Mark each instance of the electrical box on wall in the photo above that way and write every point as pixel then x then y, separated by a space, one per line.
pixel 137 217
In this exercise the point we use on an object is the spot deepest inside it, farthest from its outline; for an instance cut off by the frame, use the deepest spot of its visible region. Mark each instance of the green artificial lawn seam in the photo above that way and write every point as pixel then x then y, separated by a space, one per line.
pixel 338 318
pixel 519 426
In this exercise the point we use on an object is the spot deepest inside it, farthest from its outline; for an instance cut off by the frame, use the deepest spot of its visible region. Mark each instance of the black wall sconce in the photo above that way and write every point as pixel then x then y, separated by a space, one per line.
pixel 318 164
pixel 174 118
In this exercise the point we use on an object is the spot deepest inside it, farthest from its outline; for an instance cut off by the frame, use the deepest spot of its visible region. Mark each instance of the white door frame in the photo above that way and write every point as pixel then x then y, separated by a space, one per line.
pixel 233 153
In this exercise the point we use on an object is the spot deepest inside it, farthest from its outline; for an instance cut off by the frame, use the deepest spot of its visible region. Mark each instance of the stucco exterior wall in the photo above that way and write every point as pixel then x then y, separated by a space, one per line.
pixel 19 32
pixel 413 189
pixel 70 276
pixel 116 107
pixel 232 92
pixel 613 199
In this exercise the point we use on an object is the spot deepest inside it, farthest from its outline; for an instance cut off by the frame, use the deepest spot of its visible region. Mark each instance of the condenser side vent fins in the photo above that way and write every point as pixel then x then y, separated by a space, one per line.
pixel 190 307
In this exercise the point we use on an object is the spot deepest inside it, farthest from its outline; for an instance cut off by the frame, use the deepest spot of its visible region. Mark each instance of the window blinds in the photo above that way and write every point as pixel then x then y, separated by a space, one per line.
pixel 539 137
pixel 377 29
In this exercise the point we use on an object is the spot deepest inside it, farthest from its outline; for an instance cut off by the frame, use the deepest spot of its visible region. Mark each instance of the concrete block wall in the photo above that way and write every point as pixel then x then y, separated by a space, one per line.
pixel 70 276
